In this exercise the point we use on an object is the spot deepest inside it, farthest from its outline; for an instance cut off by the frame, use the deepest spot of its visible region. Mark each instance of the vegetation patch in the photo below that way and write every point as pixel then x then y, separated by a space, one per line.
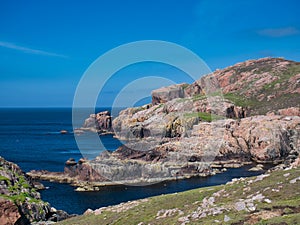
pixel 240 100
pixel 3 178
pixel 199 97
pixel 207 117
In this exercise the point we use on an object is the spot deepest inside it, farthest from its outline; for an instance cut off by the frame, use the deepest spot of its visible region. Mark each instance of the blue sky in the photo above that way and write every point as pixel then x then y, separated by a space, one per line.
pixel 45 46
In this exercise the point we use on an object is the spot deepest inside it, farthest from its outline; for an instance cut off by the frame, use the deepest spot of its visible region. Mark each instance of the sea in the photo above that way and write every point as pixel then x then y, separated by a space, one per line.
pixel 31 138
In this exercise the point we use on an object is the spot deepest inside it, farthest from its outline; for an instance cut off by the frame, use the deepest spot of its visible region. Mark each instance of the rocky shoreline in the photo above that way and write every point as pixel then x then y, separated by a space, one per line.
pixel 195 130
pixel 249 140
pixel 20 202
pixel 87 185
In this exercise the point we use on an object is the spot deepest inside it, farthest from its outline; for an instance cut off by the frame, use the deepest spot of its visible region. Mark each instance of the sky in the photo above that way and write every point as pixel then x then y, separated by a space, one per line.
pixel 46 46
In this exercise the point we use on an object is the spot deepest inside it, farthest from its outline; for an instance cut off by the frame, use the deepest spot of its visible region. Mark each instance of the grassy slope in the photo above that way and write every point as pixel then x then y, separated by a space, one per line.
pixel 282 101
pixel 19 190
pixel 284 208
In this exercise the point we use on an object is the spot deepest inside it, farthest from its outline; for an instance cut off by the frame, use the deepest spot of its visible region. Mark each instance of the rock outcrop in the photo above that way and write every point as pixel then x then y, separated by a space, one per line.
pixel 87 173
pixel 291 111
pixel 20 203
pixel 209 148
pixel 166 94
pixel 174 118
pixel 9 212
pixel 100 122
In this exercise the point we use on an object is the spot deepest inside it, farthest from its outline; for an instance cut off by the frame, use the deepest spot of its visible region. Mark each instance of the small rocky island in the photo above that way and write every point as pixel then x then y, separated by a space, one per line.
pixel 247 113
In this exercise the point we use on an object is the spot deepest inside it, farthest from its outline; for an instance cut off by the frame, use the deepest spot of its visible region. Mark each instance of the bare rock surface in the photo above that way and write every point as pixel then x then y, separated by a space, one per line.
pixel 9 213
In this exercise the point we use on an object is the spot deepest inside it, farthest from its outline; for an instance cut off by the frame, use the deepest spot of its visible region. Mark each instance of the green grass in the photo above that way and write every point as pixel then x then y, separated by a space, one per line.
pixel 15 189
pixel 184 86
pixel 137 109
pixel 264 106
pixel 287 201
pixel 199 97
pixel 3 178
pixel 285 219
pixel 19 198
pixel 203 116
pixel 159 106
pixel 179 100
pixel 283 77
pixel 240 100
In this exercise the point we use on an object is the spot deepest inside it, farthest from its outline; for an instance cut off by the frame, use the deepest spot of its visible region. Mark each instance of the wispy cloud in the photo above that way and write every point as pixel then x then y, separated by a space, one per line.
pixel 29 50
pixel 279 32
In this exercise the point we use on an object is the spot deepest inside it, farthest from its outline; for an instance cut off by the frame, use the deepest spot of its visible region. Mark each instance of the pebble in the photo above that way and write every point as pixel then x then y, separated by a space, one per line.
pixel 267 200
pixel 239 206
pixel 226 218
pixel 261 177
pixel 294 180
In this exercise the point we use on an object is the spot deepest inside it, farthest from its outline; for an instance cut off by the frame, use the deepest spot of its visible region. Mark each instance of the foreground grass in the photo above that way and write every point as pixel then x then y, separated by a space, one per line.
pixel 280 204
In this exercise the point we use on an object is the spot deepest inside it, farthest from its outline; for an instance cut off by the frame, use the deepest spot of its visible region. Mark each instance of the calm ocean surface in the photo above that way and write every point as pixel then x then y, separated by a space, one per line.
pixel 31 138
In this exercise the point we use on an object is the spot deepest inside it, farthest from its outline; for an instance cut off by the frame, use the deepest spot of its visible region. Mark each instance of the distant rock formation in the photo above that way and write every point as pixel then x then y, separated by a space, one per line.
pixel 100 122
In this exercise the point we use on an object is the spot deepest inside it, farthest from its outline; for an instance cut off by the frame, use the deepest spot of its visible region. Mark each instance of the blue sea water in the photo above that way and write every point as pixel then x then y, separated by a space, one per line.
pixel 31 138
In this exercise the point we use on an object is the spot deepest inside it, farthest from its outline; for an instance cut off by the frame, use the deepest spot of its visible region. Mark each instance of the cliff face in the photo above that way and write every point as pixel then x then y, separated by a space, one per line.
pixel 20 203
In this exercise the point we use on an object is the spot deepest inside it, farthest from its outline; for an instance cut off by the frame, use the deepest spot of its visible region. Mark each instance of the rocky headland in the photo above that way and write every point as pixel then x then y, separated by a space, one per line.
pixel 20 201
pixel 246 113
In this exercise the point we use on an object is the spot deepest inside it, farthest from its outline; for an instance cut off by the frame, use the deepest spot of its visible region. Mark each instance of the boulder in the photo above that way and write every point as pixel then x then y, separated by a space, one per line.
pixel 63 131
pixel 70 162
pixel 193 89
pixel 236 112
pixel 292 111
